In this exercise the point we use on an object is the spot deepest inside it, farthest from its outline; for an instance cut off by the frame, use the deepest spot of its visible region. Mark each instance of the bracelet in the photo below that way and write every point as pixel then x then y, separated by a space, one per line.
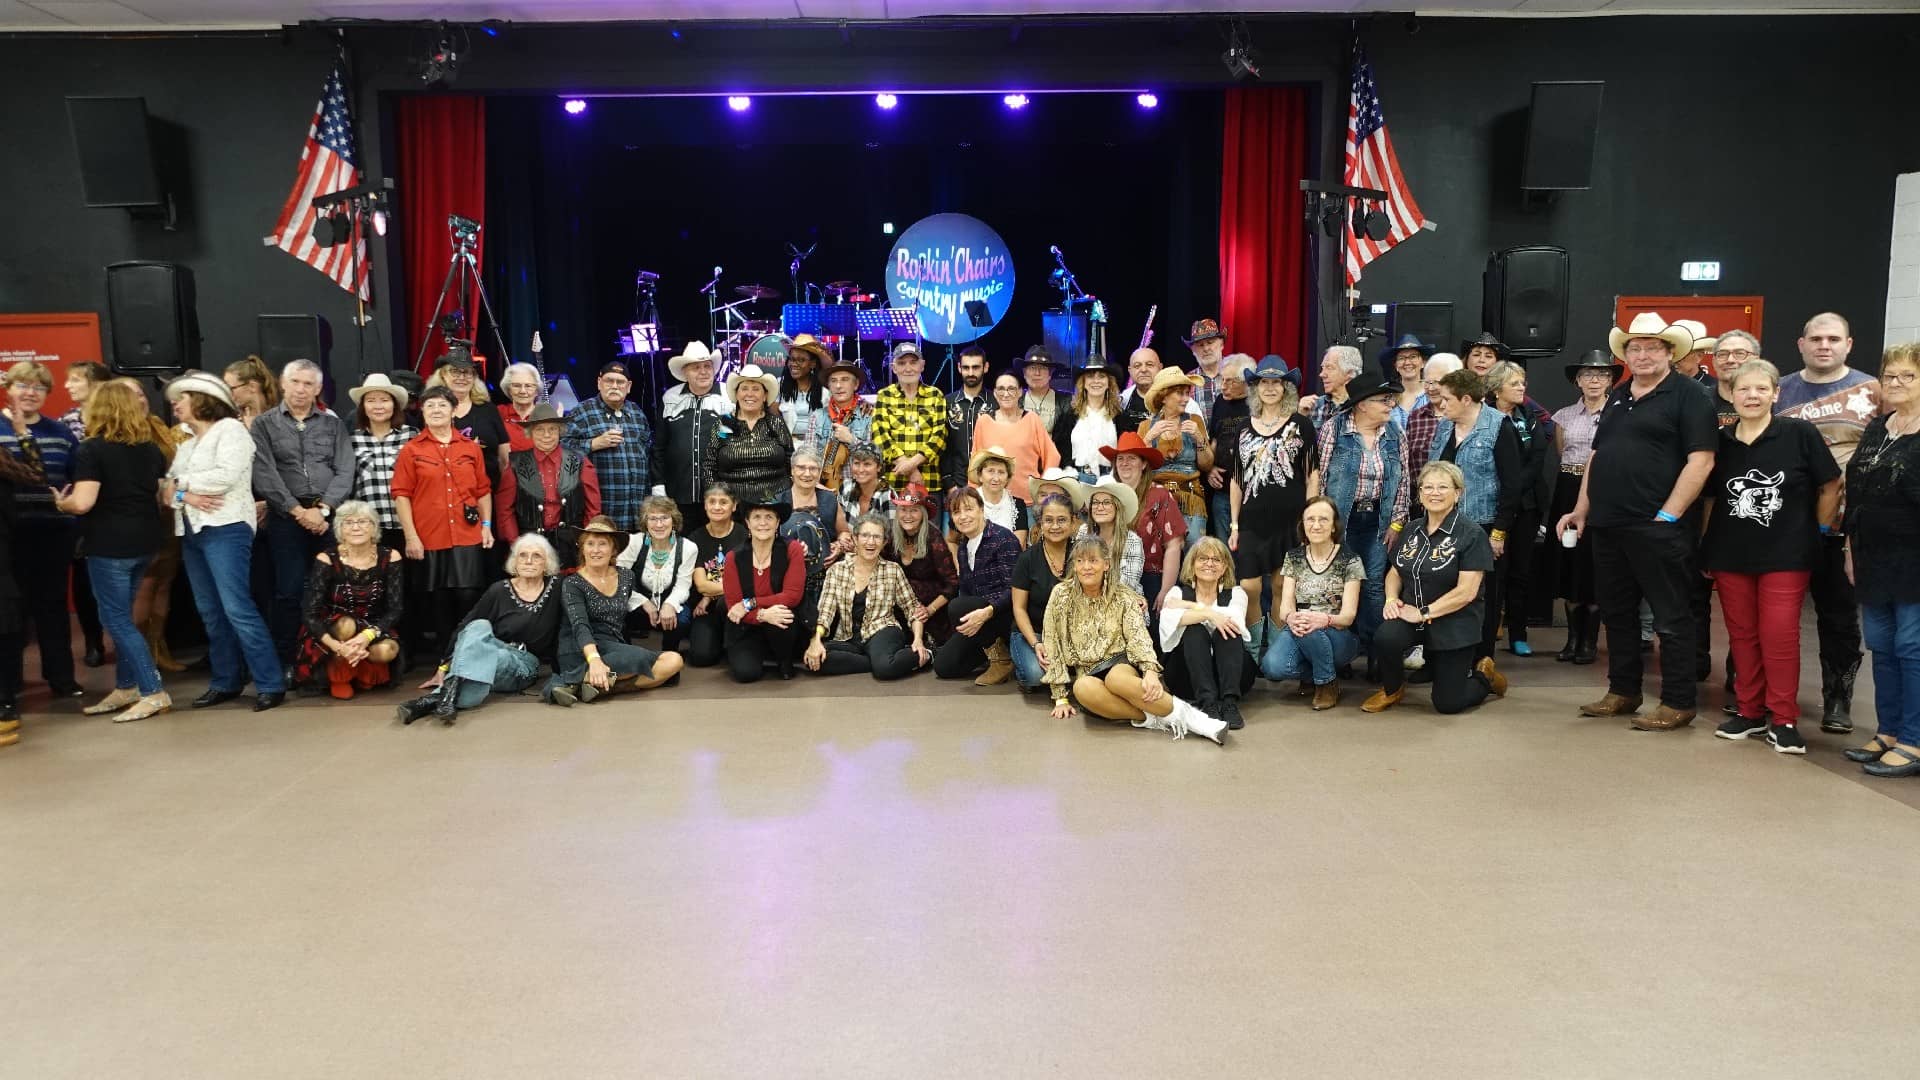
pixel 1497 534
pixel 372 635
pixel 1234 527
pixel 1397 526
pixel 1666 517
pixel 486 524
pixel 1826 530
pixel 1059 701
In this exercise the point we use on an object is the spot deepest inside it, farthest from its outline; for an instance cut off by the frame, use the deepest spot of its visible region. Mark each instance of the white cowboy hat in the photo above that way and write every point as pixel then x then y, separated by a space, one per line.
pixel 1067 479
pixel 1649 324
pixel 752 373
pixel 695 353
pixel 201 382
pixel 379 381
pixel 1701 342
pixel 1122 494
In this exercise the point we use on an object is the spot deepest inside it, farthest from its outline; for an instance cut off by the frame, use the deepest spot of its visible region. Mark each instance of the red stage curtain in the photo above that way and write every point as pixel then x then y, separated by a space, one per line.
pixel 1265 291
pixel 443 153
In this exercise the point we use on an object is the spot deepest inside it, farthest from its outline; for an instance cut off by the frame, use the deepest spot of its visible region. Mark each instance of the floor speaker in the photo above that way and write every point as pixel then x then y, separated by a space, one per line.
pixel 155 326
pixel 292 337
pixel 1429 320
pixel 1524 299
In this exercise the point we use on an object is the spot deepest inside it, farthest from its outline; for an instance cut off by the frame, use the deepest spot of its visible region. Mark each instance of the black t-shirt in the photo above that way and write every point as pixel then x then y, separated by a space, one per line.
pixel 483 425
pixel 1032 573
pixel 1764 496
pixel 708 547
pixel 1642 445
pixel 1430 567
pixel 126 520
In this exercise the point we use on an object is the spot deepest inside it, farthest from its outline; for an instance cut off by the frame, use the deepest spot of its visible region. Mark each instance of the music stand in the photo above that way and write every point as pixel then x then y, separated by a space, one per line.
pixel 889 325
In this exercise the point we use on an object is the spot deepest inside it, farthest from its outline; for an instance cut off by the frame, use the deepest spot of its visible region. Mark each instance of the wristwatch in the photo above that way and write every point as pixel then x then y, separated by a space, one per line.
pixel 1424 615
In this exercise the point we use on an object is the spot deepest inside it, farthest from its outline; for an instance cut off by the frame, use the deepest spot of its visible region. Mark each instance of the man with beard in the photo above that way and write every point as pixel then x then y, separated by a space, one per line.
pixel 687 411
pixel 1040 398
pixel 964 406
pixel 1208 343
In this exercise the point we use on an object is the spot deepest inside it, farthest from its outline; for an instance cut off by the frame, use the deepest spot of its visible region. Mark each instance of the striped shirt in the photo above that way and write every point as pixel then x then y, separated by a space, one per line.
pixel 56 446
pixel 1577 426
pixel 374 457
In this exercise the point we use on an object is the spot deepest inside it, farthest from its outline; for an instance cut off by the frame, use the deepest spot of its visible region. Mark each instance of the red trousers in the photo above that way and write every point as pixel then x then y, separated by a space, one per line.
pixel 1763 628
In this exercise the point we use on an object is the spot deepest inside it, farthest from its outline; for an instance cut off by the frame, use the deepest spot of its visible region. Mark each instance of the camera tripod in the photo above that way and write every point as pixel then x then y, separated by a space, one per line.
pixel 464 267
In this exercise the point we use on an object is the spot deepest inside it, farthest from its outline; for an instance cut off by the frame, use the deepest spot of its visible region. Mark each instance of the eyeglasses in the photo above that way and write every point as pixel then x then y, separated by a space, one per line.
pixel 1429 489
pixel 1646 350
pixel 1733 354
pixel 1905 378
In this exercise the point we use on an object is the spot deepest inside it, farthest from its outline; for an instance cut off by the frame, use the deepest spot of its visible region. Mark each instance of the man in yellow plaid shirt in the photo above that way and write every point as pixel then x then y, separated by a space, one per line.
pixel 910 423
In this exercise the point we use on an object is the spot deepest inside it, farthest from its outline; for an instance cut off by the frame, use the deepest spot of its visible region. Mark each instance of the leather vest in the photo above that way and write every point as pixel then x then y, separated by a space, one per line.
pixel 530 491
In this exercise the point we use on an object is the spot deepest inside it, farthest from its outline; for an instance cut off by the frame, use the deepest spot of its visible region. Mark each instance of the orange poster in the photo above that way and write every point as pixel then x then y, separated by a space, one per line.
pixel 55 340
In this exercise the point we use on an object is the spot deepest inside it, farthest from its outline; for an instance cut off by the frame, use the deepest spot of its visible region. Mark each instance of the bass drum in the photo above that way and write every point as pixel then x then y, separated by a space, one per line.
pixel 770 352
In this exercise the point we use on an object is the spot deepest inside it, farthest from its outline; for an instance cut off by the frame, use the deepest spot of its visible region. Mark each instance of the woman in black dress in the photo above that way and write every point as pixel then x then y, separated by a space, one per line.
pixel 713 544
pixel 1270 465
pixel 594 657
pixel 352 607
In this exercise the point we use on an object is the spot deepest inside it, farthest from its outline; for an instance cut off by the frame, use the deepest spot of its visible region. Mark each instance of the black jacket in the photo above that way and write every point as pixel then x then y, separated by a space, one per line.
pixel 684 423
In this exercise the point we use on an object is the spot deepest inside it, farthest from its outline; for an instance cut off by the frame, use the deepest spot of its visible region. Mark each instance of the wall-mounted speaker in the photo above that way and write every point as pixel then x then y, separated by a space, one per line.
pixel 1561 128
pixel 155 325
pixel 1524 299
pixel 116 151
pixel 1429 320
pixel 292 337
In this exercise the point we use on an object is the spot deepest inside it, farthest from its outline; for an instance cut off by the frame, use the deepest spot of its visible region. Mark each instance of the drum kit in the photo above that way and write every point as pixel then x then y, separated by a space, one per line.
pixel 840 315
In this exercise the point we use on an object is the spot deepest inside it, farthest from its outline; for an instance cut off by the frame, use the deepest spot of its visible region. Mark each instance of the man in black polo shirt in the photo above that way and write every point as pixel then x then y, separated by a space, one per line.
pixel 1652 452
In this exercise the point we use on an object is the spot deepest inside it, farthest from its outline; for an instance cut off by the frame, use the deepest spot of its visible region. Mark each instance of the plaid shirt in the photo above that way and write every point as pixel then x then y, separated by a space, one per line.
pixel 902 427
pixel 374 456
pixel 1421 427
pixel 887 593
pixel 622 470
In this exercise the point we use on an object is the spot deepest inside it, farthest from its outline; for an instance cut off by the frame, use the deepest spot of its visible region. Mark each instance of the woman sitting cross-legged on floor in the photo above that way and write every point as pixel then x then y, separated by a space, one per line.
pixel 1312 636
pixel 1098 649
pixel 499 647
pixel 868 621
pixel 594 658
pixel 1204 622
pixel 352 607
pixel 1433 598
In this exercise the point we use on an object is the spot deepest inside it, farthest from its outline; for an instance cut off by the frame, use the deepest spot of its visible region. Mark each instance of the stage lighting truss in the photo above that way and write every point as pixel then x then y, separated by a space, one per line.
pixel 340 212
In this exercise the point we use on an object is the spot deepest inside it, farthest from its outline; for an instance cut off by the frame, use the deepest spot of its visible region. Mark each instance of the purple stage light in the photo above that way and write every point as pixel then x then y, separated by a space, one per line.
pixel 1148 100
pixel 575 106
pixel 1015 101
pixel 885 101
pixel 739 102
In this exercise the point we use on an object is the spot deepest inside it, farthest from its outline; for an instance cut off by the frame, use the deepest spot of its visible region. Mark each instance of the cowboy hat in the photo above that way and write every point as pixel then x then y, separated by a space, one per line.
pixel 779 509
pixel 1130 442
pixel 542 413
pixel 1168 378
pixel 858 371
pixel 1098 364
pixel 695 353
pixel 379 381
pixel 1649 324
pixel 1122 494
pixel 1594 360
pixel 991 453
pixel 201 382
pixel 1701 342
pixel 913 494
pixel 1203 330
pixel 1407 341
pixel 1038 354
pixel 600 525
pixel 812 349
pixel 1499 347
pixel 459 358
pixel 1066 479
pixel 1369 386
pixel 752 373
pixel 1273 366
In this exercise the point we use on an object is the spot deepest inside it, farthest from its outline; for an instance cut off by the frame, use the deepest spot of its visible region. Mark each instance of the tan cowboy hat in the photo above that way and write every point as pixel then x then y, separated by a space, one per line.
pixel 752 373
pixel 1649 324
pixel 1168 378
pixel 601 525
pixel 1067 479
pixel 695 353
pixel 991 453
pixel 1124 495
pixel 1701 342
pixel 379 381
pixel 542 413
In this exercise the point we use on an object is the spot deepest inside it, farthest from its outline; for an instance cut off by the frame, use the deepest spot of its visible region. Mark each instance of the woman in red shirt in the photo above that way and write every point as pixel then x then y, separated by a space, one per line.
pixel 1161 527
pixel 445 506
pixel 765 582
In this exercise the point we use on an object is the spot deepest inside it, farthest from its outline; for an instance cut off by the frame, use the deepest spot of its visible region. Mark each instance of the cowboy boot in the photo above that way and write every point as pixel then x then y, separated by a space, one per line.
pixel 155 631
pixel 1590 627
pixel 1836 692
pixel 409 711
pixel 449 704
pixel 1565 655
pixel 999 665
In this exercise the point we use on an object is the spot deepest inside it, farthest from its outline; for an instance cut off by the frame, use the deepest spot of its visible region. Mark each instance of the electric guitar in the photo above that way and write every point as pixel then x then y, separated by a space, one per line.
pixel 1146 332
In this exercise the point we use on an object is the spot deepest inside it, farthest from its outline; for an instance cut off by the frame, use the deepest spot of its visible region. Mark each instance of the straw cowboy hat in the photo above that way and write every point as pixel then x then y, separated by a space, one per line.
pixel 695 353
pixel 1168 378
pixel 1649 324
pixel 991 453
pixel 601 525
pixel 201 382
pixel 1130 442
pixel 1701 342
pixel 752 373
pixel 1122 494
pixel 1067 480
pixel 379 381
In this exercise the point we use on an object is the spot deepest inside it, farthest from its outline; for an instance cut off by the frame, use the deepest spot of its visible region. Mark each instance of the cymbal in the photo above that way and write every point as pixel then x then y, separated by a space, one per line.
pixel 763 326
pixel 756 292
pixel 840 288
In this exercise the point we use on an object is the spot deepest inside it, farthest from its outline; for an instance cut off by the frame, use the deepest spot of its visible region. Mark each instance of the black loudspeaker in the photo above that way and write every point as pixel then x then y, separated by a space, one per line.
pixel 1524 299
pixel 116 151
pixel 1561 128
pixel 292 337
pixel 1429 320
pixel 156 328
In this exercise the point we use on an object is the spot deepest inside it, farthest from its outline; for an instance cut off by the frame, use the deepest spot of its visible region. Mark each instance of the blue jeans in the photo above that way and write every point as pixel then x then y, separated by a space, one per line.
pixel 290 550
pixel 114 583
pixel 1026 664
pixel 484 664
pixel 1219 512
pixel 1892 633
pixel 1313 658
pixel 1365 538
pixel 219 561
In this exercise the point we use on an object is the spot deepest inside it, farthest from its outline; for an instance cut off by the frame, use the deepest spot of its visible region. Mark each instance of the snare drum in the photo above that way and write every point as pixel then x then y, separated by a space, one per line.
pixel 770 352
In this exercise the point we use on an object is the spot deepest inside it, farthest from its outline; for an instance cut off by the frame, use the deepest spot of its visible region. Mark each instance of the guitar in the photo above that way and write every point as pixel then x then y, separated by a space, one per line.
pixel 1146 332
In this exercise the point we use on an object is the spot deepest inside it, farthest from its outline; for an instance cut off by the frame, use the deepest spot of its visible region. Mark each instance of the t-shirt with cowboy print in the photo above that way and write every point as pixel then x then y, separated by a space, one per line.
pixel 1841 409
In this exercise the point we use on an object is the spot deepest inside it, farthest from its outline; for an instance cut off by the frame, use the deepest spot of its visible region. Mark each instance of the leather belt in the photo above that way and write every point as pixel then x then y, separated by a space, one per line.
pixel 1574 470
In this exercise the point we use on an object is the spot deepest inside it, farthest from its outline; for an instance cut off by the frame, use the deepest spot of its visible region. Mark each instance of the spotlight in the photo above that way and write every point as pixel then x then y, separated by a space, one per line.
pixel 1372 224
pixel 1148 100
pixel 334 228
pixel 885 101
pixel 739 102
pixel 1014 101
pixel 1241 61
pixel 886 228
pixel 380 223
pixel 440 65
pixel 575 106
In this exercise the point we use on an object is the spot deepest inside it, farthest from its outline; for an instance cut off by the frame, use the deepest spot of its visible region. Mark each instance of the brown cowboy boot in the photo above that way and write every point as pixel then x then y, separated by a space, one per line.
pixel 999 665
pixel 1612 705
pixel 1664 718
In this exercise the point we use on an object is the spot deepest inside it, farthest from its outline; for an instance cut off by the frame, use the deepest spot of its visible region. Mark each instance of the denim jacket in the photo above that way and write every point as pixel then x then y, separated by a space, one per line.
pixel 1481 501
pixel 1340 471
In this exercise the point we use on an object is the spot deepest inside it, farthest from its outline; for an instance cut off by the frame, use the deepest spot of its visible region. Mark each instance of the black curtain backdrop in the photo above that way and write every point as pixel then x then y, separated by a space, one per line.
pixel 677 186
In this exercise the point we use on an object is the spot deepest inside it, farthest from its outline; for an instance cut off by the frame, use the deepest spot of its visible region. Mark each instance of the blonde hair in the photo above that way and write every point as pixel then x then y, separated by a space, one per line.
pixel 254 370
pixel 1757 366
pixel 477 393
pixel 1499 375
pixel 1115 546
pixel 117 414
pixel 30 371
pixel 1212 545
pixel 1907 353
pixel 1445 468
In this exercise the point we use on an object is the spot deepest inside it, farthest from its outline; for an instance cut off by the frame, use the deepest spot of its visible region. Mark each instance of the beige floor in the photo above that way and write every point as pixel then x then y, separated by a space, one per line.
pixel 926 881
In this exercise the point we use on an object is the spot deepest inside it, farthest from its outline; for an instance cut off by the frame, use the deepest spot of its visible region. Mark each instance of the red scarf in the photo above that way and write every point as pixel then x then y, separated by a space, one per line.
pixel 839 415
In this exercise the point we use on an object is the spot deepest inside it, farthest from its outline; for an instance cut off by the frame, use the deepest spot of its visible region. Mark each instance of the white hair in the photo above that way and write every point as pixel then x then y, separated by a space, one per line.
pixel 520 368
pixel 1440 365
pixel 538 543
pixel 303 365
pixel 1237 365
pixel 1348 358
pixel 352 510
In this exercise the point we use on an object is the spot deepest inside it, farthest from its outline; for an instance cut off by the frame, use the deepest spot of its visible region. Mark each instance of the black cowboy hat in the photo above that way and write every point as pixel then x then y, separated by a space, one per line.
pixel 1098 363
pixel 1369 386
pixel 1499 347
pixel 1594 360
pixel 780 510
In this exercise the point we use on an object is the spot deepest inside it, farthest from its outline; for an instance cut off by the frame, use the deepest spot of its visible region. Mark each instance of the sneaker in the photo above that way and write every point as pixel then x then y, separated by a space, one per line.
pixel 1416 659
pixel 1230 712
pixel 1740 727
pixel 1786 739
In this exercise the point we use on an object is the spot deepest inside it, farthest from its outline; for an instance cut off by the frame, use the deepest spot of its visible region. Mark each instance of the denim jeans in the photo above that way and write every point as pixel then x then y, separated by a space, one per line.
pixel 114 583
pixel 1196 528
pixel 1026 663
pixel 484 664
pixel 1219 512
pixel 290 550
pixel 1892 634
pixel 1313 658
pixel 219 561
pixel 1365 538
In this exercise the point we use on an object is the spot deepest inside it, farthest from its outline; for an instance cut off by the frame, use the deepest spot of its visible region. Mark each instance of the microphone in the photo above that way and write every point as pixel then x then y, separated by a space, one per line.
pixel 1055 249
pixel 708 287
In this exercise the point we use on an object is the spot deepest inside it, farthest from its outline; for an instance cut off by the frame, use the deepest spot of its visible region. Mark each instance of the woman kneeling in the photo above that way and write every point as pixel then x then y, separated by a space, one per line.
pixel 353 605
pixel 595 658
pixel 1097 645
pixel 865 606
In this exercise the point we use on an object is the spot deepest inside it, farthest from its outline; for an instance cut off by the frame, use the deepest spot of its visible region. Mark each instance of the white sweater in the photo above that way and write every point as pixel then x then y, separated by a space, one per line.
pixel 217 463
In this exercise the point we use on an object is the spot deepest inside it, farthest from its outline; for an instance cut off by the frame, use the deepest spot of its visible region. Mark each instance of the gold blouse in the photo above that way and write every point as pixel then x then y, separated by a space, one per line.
pixel 1081 631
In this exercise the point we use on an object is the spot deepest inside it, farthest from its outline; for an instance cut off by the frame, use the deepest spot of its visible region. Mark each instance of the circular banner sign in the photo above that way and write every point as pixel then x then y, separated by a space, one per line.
pixel 942 262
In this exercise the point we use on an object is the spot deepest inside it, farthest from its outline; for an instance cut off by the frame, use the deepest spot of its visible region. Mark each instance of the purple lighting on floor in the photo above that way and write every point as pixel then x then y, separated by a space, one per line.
pixel 575 106
pixel 1015 101
pixel 739 102
pixel 885 101
pixel 1148 100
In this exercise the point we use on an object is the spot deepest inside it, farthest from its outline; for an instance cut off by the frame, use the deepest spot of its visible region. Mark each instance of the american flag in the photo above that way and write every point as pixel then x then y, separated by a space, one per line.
pixel 327 164
pixel 1371 163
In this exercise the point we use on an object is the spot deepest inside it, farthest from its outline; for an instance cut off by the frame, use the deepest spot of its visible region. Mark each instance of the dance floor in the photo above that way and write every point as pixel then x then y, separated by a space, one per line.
pixel 838 878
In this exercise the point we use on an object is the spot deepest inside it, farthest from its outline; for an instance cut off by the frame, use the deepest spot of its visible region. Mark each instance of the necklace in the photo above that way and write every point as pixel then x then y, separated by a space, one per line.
pixel 1324 566
pixel 1059 568
pixel 657 557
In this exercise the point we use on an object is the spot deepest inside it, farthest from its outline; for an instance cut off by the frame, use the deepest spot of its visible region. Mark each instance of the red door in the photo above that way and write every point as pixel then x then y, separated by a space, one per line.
pixel 1719 313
